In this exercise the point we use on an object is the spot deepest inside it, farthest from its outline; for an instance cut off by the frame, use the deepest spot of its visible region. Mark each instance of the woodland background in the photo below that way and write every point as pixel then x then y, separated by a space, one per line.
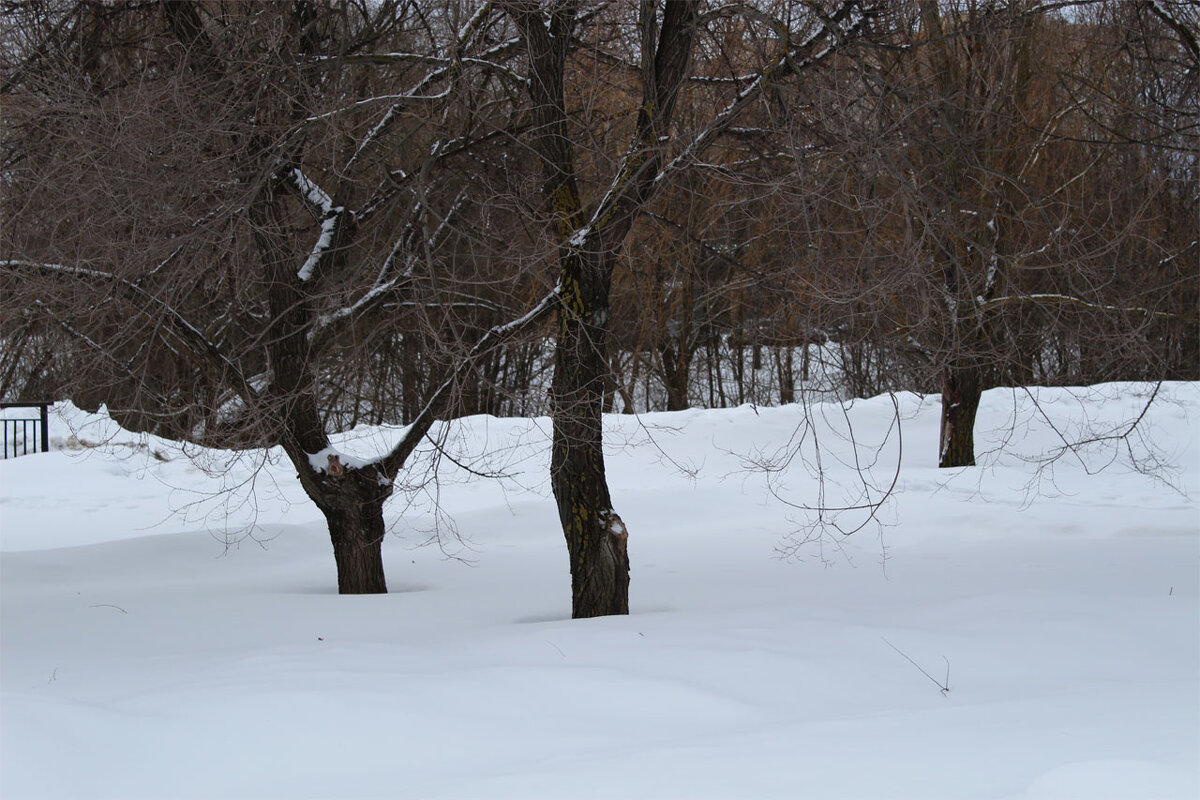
pixel 251 224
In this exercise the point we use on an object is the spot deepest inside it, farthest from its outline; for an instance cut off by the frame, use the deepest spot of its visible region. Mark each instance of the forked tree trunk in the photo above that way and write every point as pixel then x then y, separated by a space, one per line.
pixel 962 388
pixel 596 538
pixel 352 502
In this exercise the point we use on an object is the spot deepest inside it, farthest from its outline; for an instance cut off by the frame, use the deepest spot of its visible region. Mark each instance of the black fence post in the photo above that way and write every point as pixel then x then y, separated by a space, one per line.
pixel 43 419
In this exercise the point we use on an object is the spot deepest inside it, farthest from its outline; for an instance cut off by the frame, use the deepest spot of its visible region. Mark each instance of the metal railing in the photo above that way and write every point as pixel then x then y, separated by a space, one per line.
pixel 39 426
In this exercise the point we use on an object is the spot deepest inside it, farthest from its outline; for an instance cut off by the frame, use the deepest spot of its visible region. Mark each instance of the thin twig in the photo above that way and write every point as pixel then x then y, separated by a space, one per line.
pixel 944 686
pixel 109 605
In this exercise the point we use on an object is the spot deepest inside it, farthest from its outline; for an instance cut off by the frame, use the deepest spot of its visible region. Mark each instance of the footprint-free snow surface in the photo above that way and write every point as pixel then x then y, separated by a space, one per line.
pixel 1023 629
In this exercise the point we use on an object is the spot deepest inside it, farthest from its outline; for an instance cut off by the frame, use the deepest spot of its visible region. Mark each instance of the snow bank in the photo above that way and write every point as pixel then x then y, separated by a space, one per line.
pixel 155 647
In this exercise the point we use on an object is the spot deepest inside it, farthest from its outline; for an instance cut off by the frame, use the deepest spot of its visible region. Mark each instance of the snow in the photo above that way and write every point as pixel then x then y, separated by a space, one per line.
pixel 474 22
pixel 314 194
pixel 324 241
pixel 397 99
pixel 152 647
pixel 319 461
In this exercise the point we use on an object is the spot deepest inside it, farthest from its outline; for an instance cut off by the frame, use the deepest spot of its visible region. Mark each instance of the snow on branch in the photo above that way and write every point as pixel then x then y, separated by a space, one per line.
pixel 376 130
pixel 81 336
pixel 1174 256
pixel 15 265
pixel 445 67
pixel 472 25
pixel 722 79
pixel 102 352
pixel 369 297
pixel 383 284
pixel 313 194
pixel 395 98
pixel 1067 299
pixel 161 265
pixel 322 246
pixel 391 463
pixel 1186 34
pixel 786 63
pixel 321 203
pixel 446 225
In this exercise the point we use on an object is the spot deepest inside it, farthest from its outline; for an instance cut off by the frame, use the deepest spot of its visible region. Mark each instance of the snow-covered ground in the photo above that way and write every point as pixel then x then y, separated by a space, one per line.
pixel 157 646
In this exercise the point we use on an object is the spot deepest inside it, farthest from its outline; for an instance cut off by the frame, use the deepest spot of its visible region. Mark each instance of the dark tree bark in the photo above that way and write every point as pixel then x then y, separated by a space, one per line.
pixel 783 368
pixel 354 512
pixel 677 368
pixel 596 537
pixel 350 499
pixel 962 388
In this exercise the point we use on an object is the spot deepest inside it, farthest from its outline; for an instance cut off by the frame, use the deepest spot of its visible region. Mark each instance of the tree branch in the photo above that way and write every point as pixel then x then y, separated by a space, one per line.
pixel 391 464
pixel 198 343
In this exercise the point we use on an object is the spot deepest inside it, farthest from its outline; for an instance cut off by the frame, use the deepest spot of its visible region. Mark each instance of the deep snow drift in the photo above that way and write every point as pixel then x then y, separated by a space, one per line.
pixel 155 645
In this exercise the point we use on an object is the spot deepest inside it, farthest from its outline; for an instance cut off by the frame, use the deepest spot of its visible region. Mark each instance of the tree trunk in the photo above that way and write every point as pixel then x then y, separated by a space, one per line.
pixel 352 502
pixel 787 383
pixel 596 538
pixel 351 499
pixel 357 538
pixel 961 389
pixel 717 344
pixel 676 372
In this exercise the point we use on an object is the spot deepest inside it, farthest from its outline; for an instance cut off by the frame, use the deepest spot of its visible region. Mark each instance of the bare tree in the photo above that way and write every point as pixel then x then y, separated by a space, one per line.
pixel 996 221
pixel 657 46
pixel 215 212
